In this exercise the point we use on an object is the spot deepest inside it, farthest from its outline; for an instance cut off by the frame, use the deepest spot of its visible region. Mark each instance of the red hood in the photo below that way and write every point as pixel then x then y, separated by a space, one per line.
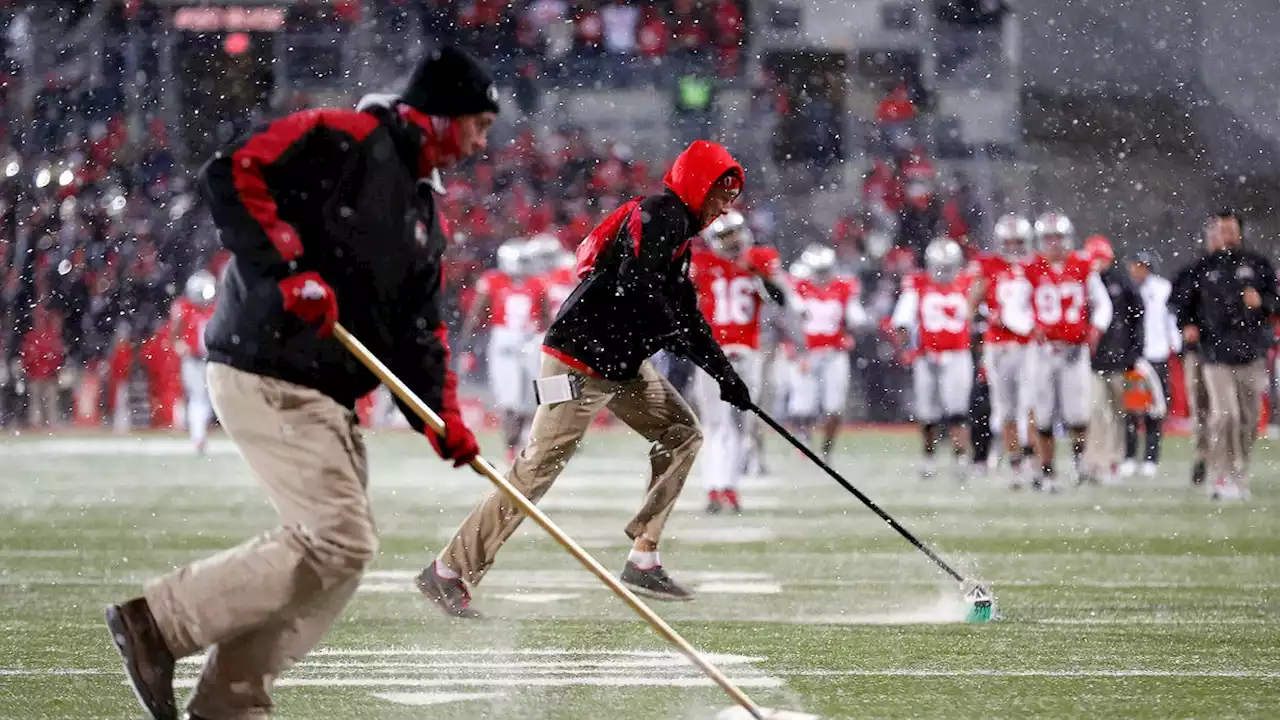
pixel 696 170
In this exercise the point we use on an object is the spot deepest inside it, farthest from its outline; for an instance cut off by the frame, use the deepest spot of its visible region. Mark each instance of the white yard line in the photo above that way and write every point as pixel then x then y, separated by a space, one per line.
pixel 663 663
pixel 6 672
pixel 663 657
pixel 435 698
pixel 588 681
pixel 912 672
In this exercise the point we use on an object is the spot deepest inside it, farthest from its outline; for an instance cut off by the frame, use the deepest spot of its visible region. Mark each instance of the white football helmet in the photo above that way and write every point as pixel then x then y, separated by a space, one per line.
pixel 728 234
pixel 943 258
pixel 201 287
pixel 512 257
pixel 820 259
pixel 1013 235
pixel 543 251
pixel 1054 232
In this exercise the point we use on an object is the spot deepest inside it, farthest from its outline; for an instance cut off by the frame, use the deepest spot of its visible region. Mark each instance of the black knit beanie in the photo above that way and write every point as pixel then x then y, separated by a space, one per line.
pixel 450 82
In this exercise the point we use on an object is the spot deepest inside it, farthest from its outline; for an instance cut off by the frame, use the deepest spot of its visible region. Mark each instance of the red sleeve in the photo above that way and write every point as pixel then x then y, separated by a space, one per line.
pixel 449 389
pixel 242 197
pixel 765 260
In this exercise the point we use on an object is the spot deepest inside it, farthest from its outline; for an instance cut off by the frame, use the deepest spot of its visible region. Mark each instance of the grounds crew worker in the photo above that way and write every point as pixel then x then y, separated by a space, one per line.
pixel 1118 351
pixel 1230 297
pixel 634 298
pixel 324 212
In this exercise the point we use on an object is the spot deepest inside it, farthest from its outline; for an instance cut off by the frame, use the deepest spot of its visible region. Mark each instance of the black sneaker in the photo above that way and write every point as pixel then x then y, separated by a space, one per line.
pixel 654 583
pixel 148 663
pixel 451 596
pixel 1198 473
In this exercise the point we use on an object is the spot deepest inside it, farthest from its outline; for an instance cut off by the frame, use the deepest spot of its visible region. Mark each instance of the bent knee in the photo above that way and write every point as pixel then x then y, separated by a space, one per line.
pixel 684 436
pixel 341 547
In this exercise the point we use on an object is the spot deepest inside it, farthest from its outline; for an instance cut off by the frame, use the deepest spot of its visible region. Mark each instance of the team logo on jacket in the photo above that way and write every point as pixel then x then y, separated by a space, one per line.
pixel 1244 273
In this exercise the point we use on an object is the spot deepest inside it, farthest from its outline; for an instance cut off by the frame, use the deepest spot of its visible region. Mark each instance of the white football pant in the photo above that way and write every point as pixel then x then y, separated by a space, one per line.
pixel 1061 385
pixel 1008 375
pixel 726 429
pixel 195 384
pixel 818 384
pixel 514 361
pixel 943 383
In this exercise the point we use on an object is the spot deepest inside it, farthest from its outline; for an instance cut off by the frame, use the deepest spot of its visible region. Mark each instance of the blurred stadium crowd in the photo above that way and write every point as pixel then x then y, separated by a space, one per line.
pixel 101 222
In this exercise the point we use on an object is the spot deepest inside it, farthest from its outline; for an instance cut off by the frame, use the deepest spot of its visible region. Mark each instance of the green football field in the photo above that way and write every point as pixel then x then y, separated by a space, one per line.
pixel 1138 601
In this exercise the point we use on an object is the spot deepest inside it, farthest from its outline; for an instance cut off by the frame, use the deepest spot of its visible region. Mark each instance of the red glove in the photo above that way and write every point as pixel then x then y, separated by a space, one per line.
pixel 309 297
pixel 458 443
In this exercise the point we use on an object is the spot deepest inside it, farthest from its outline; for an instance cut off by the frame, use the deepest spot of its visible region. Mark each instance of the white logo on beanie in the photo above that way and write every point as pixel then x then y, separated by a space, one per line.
pixel 492 93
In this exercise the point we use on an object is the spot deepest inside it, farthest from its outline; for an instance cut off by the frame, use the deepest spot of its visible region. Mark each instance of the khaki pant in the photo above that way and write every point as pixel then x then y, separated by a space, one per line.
pixel 264 604
pixel 1235 401
pixel 42 402
pixel 648 404
pixel 1104 443
pixel 1197 403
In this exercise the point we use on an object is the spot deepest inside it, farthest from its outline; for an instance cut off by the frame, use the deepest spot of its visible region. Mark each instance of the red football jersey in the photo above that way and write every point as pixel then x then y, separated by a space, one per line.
pixel 189 320
pixel 559 285
pixel 942 313
pixel 1008 292
pixel 827 312
pixel 1061 298
pixel 514 303
pixel 729 292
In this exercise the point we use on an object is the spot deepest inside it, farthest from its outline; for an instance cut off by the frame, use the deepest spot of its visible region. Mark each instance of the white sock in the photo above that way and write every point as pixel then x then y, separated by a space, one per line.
pixel 445 572
pixel 644 560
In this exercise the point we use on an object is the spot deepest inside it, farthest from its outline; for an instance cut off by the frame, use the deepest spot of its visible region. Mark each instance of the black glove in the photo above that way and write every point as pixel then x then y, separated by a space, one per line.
pixel 735 392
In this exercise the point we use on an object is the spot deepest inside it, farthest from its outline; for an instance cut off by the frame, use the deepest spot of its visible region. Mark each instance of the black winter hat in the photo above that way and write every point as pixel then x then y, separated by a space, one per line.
pixel 450 82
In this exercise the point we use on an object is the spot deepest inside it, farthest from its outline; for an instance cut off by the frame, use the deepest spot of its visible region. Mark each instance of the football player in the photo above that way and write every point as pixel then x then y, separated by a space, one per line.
pixel 1072 309
pixel 555 268
pixel 188 317
pixel 734 278
pixel 935 304
pixel 1002 288
pixel 819 382
pixel 510 302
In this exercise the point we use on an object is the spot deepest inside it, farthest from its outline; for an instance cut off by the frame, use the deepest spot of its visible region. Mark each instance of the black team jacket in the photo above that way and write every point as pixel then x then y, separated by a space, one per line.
pixel 1209 295
pixel 635 297
pixel 337 192
pixel 1120 347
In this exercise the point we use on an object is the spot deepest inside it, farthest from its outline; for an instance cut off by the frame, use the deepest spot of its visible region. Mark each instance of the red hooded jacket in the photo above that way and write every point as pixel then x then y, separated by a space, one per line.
pixel 635 297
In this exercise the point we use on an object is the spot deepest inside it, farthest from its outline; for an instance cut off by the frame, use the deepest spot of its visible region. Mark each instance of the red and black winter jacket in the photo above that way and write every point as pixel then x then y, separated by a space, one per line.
pixel 337 192
pixel 635 297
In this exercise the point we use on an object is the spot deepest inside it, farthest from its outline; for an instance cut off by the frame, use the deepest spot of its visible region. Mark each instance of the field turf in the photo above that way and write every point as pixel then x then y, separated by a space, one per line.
pixel 1139 601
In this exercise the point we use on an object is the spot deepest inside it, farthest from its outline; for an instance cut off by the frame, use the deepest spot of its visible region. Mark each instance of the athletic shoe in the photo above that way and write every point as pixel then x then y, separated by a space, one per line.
pixel 148 663
pixel 928 469
pixel 1128 468
pixel 1149 469
pixel 654 583
pixel 451 596
pixel 1052 486
pixel 730 500
pixel 714 502
pixel 1198 472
